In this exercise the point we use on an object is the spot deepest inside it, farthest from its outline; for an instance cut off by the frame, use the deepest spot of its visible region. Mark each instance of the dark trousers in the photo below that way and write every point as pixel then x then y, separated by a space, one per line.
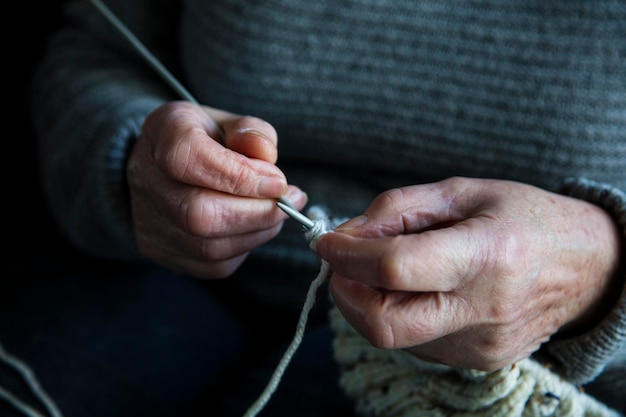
pixel 105 339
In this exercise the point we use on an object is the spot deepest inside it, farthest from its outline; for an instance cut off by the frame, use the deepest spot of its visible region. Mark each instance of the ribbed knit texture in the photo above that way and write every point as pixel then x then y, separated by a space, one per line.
pixel 528 91
pixel 393 93
pixel 365 95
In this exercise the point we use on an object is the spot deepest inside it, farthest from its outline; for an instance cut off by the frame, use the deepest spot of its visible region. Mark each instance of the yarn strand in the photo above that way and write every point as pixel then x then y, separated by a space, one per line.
pixel 271 387
pixel 29 377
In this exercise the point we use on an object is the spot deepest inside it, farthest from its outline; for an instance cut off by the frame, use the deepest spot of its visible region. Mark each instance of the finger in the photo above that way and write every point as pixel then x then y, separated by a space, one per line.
pixel 207 213
pixel 203 257
pixel 395 320
pixel 416 208
pixel 197 158
pixel 218 270
pixel 203 269
pixel 435 260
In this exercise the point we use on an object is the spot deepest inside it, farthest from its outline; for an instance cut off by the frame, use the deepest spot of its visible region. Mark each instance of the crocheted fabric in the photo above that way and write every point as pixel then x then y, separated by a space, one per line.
pixel 394 383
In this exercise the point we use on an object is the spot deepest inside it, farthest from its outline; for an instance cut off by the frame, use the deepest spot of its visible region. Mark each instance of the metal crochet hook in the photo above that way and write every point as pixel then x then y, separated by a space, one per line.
pixel 286 206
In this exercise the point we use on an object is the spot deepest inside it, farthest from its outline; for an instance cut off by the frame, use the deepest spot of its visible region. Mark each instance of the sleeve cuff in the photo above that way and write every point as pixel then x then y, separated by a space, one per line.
pixel 582 358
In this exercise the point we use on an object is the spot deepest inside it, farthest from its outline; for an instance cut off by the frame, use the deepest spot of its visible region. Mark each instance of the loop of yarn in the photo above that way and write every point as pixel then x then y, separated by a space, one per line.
pixel 323 224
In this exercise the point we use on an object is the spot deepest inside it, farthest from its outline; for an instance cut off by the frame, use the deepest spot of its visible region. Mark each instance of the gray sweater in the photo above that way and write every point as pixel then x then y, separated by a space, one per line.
pixel 365 95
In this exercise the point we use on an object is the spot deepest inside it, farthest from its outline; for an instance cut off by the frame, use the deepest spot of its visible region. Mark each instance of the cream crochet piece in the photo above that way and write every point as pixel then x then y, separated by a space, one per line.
pixel 394 383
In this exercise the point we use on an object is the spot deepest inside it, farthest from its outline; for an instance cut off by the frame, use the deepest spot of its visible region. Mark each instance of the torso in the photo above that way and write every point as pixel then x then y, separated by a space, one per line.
pixel 527 91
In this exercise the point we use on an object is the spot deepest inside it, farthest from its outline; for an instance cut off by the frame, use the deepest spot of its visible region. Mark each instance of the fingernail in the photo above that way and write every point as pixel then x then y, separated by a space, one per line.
pixel 295 194
pixel 353 223
pixel 272 187
pixel 256 132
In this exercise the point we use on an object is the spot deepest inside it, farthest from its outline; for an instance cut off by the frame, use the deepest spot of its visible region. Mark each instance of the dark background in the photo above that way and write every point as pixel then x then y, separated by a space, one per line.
pixel 26 217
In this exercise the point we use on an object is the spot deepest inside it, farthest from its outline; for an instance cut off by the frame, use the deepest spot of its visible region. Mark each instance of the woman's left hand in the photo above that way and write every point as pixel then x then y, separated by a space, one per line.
pixel 471 273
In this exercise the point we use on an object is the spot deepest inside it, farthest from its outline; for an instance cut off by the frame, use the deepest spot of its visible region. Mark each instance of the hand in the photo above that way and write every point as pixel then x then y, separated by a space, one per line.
pixel 202 187
pixel 471 273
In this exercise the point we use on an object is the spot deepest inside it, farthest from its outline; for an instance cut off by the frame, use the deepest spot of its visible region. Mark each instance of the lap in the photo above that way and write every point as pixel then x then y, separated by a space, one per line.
pixel 107 340
pixel 308 387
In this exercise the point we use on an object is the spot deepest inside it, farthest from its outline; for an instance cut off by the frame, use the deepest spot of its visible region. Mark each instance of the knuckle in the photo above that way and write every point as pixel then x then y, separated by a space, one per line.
pixel 391 271
pixel 239 175
pixel 380 329
pixel 381 335
pixel 493 351
pixel 389 198
pixel 202 217
pixel 177 157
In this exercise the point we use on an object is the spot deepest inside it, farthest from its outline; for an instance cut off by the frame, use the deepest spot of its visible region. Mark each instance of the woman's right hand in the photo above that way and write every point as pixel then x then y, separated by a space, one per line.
pixel 203 184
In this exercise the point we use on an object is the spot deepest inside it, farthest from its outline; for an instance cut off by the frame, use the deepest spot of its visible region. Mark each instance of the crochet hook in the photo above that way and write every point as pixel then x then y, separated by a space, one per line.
pixel 292 212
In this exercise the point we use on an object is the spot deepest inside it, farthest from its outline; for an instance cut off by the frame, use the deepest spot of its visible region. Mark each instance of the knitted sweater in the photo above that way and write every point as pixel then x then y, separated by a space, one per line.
pixel 365 95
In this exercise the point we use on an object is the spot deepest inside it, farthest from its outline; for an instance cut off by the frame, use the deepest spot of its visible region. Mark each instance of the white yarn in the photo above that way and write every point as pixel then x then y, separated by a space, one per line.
pixel 260 403
pixel 394 383
pixel 322 224
pixel 29 377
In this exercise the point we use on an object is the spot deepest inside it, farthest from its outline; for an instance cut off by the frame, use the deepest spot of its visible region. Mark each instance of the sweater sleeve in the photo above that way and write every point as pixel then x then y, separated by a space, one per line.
pixel 581 359
pixel 89 97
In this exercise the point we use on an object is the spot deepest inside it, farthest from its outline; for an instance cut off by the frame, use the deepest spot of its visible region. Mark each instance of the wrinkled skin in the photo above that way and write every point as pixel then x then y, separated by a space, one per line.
pixel 472 273
pixel 468 272
pixel 203 185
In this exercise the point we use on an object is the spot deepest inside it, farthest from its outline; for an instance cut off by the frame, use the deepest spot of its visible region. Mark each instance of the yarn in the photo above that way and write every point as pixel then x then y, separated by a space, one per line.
pixel 322 224
pixel 271 387
pixel 29 377
pixel 394 383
